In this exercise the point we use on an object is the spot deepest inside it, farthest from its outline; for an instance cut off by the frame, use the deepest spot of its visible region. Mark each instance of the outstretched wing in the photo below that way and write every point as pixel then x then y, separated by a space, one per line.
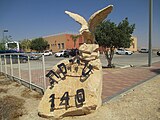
pixel 98 17
pixel 77 18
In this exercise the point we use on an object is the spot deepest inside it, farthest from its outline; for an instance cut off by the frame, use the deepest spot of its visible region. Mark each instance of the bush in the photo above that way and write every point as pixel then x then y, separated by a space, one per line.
pixel 11 107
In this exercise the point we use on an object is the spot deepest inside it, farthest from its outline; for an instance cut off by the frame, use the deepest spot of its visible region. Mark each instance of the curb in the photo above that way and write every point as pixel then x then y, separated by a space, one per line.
pixel 119 66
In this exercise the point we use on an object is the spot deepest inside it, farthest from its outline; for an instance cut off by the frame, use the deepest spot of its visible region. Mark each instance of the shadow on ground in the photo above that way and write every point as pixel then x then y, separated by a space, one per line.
pixel 157 71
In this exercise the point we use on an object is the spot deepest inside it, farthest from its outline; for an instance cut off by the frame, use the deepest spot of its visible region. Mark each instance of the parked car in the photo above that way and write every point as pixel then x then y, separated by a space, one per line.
pixel 47 53
pixel 22 57
pixel 158 53
pixel 59 54
pixel 8 51
pixel 66 54
pixel 73 52
pixel 143 50
pixel 34 56
pixel 122 51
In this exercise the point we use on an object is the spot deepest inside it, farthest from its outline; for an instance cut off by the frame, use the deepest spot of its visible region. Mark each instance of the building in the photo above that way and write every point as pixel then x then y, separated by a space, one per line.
pixel 62 42
pixel 133 46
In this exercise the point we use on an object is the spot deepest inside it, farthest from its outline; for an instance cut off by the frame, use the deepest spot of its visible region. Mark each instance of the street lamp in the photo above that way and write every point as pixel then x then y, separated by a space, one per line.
pixel 3 34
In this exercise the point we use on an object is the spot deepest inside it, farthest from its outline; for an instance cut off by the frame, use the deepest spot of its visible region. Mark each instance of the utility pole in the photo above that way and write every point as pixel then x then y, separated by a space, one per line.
pixel 150 33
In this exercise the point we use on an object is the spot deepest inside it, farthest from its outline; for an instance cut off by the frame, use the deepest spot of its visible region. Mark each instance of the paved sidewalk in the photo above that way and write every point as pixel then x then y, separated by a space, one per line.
pixel 118 80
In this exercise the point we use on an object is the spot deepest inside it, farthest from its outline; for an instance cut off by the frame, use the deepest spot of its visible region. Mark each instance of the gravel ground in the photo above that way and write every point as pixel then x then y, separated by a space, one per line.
pixel 139 103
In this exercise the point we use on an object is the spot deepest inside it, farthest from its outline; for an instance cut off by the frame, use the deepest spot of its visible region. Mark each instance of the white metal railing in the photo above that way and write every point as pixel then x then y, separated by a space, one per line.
pixel 25 69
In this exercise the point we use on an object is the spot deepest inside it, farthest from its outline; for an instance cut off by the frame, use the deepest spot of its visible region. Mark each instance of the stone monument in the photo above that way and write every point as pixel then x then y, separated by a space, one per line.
pixel 76 84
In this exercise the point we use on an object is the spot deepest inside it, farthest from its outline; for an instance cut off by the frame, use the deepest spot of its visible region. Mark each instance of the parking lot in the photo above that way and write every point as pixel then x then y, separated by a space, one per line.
pixel 136 59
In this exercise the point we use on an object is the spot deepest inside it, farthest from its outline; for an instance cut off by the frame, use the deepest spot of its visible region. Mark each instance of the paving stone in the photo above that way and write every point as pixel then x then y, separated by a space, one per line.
pixel 116 80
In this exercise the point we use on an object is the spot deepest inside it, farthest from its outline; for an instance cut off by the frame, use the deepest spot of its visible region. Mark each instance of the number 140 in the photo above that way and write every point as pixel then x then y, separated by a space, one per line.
pixel 79 99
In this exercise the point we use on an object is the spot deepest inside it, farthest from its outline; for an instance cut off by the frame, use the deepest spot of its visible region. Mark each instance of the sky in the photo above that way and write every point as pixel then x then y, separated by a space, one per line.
pixel 27 19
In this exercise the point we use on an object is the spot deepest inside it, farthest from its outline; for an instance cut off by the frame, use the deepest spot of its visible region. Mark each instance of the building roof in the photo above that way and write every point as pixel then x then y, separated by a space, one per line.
pixel 71 33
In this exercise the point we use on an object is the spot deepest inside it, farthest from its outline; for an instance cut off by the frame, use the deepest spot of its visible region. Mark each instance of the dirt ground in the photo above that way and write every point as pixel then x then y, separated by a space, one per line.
pixel 140 103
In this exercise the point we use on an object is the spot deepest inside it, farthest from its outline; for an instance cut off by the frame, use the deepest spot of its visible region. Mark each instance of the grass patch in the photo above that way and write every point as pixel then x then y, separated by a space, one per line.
pixel 5 82
pixel 2 77
pixel 3 90
pixel 17 85
pixel 37 96
pixel 11 108
pixel 27 93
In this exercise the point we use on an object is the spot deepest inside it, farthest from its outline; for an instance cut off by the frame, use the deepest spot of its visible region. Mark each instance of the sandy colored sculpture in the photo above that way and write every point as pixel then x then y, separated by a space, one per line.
pixel 76 84
pixel 87 28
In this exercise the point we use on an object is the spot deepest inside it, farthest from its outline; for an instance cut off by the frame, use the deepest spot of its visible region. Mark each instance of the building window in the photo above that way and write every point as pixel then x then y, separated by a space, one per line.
pixel 62 45
pixel 59 46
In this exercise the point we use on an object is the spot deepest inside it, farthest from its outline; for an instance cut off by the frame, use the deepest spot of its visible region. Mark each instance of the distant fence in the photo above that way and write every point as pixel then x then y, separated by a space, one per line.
pixel 27 68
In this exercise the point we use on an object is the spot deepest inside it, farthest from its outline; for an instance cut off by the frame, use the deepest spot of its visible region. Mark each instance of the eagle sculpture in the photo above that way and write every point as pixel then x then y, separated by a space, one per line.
pixel 88 28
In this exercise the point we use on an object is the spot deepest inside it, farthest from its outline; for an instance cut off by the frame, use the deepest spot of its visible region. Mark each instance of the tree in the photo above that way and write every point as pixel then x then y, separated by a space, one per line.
pixel 25 44
pixel 74 38
pixel 39 44
pixel 4 41
pixel 2 46
pixel 111 36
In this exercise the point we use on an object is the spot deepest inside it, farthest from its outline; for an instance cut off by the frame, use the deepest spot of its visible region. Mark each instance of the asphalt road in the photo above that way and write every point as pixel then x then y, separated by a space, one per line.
pixel 136 59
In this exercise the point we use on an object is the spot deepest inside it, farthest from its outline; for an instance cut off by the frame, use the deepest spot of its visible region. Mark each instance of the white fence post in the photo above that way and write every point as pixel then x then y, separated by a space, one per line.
pixel 1 62
pixel 44 72
pixel 11 65
pixel 29 71
pixel 19 67
pixel 5 63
